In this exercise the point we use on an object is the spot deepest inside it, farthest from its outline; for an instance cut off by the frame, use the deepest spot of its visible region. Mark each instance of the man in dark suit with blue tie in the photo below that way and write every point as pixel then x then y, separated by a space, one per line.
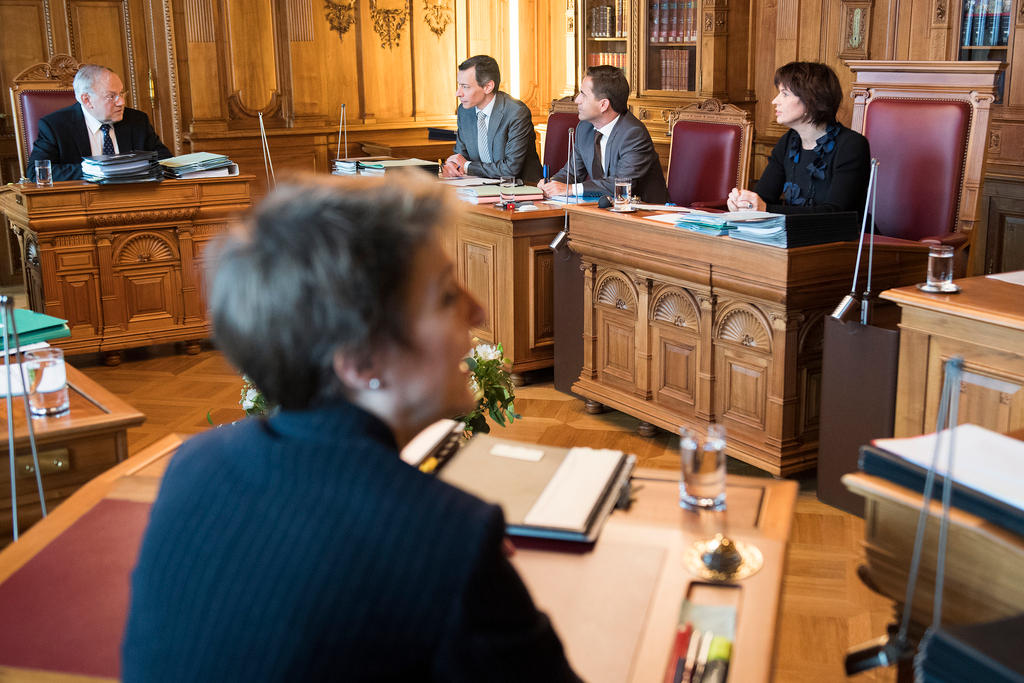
pixel 99 123
pixel 610 143
pixel 496 136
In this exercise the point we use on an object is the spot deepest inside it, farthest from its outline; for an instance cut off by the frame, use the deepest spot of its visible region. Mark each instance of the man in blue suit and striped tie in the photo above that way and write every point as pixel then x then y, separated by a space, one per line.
pixel 496 136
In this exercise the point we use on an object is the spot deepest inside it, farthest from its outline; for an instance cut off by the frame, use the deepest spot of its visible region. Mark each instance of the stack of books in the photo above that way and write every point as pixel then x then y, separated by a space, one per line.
pixel 199 165
pixel 490 194
pixel 133 167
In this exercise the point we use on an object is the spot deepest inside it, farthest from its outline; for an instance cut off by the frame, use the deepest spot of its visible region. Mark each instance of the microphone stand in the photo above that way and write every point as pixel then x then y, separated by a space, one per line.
pixel 571 181
pixel 7 323
pixel 847 303
pixel 268 163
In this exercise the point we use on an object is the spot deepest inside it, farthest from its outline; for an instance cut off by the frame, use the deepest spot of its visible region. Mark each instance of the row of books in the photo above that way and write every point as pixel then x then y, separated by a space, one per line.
pixel 675 70
pixel 608 21
pixel 673 22
pixel 986 23
pixel 610 58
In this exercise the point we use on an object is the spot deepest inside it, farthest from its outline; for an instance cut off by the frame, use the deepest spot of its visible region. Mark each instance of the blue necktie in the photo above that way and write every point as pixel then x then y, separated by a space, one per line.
pixel 108 144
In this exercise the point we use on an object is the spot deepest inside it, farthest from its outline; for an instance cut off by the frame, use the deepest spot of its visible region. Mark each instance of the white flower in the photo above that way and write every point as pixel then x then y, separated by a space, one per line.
pixel 487 352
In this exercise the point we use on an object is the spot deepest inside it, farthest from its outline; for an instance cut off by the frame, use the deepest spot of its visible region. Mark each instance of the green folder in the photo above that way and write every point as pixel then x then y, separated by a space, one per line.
pixel 35 327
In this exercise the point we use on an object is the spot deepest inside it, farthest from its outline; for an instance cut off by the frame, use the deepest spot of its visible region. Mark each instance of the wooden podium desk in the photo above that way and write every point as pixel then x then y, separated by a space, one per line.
pixel 682 329
pixel 72 448
pixel 121 263
pixel 984 323
pixel 503 258
pixel 578 590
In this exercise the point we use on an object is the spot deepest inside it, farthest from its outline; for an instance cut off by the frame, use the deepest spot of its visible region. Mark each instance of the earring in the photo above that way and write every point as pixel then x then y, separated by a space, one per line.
pixel 373 384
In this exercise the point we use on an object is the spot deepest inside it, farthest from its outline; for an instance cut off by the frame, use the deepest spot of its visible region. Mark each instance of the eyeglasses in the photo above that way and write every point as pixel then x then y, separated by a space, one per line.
pixel 113 96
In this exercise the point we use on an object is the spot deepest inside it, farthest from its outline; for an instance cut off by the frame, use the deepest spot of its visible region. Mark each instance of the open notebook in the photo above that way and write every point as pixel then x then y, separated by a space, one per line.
pixel 545 491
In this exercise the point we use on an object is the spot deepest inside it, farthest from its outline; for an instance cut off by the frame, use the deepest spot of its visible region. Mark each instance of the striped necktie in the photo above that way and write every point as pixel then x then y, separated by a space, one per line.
pixel 108 144
pixel 481 137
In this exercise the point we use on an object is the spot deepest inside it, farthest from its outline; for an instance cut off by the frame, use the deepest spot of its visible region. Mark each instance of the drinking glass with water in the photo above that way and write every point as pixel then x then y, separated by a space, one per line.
pixel 44 173
pixel 47 382
pixel 940 267
pixel 623 190
pixel 702 485
pixel 506 189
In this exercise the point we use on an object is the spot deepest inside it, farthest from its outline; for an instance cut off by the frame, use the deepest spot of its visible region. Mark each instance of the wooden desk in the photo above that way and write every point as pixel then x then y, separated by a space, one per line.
pixel 73 448
pixel 760 512
pixel 682 329
pixel 984 578
pixel 503 258
pixel 409 144
pixel 121 263
pixel 984 323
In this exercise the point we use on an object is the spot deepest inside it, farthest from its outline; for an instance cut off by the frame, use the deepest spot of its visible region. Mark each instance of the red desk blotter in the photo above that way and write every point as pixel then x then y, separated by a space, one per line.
pixel 65 609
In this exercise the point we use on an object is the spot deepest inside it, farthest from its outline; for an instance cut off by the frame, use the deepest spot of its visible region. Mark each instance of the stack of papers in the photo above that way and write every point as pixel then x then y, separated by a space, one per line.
pixel 797 230
pixel 489 194
pixel 198 165
pixel 344 167
pixel 383 166
pixel 573 199
pixel 133 167
pixel 988 469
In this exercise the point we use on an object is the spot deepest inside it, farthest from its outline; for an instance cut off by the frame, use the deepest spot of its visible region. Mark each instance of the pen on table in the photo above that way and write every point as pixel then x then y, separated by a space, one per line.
pixel 719 655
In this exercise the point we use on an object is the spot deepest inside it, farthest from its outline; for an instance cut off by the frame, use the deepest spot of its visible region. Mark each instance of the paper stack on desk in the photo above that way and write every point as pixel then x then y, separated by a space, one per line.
pixel 198 165
pixel 133 167
pixel 988 470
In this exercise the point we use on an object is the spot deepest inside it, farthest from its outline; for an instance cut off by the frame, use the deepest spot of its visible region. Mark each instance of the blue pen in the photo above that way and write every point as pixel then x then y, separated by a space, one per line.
pixel 546 176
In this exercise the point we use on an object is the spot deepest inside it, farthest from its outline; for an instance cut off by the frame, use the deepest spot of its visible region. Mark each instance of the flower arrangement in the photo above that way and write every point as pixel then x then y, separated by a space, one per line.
pixel 489 379
pixel 492 385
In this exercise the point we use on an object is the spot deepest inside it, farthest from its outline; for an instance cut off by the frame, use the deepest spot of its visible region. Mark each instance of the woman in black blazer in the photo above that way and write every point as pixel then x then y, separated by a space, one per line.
pixel 819 165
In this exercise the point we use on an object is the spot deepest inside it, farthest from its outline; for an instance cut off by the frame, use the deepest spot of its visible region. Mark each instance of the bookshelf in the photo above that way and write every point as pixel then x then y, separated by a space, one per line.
pixel 985 29
pixel 674 52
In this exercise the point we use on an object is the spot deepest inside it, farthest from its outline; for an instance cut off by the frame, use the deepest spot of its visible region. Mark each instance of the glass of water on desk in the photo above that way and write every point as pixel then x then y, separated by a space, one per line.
pixel 702 484
pixel 47 382
pixel 506 189
pixel 623 190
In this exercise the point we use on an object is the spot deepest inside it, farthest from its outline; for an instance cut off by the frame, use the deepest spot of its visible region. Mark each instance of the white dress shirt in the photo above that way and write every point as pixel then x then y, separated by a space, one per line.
pixel 606 132
pixel 96 135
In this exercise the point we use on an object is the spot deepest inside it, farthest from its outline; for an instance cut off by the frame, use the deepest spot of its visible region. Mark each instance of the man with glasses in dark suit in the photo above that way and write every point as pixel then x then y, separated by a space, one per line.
pixel 98 123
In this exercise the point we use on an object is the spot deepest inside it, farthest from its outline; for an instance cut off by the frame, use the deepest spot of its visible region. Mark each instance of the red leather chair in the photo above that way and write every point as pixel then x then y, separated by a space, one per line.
pixel 709 154
pixel 562 117
pixel 927 123
pixel 37 91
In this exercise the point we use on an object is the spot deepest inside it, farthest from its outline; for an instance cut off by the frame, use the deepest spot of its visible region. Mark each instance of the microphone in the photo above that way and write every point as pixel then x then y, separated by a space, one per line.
pixel 847 303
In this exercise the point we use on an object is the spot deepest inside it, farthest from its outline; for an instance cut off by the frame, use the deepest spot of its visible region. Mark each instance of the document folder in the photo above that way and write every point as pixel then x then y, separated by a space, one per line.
pixel 545 491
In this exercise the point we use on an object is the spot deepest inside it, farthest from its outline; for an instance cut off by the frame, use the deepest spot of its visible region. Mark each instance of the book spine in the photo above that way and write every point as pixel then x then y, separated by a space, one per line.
pixel 994 22
pixel 663 35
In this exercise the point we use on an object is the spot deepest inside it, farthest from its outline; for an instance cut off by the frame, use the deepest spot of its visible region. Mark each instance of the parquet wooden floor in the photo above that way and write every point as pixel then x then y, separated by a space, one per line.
pixel 824 610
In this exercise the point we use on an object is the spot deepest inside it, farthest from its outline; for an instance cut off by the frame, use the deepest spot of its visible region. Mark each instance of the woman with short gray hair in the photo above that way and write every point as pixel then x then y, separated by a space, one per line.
pixel 299 546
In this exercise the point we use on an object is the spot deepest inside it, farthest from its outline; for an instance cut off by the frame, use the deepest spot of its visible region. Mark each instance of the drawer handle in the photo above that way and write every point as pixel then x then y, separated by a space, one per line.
pixel 50 462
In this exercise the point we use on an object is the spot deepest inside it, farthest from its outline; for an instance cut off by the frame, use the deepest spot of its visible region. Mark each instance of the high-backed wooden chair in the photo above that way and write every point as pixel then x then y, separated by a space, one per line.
pixel 709 154
pixel 927 123
pixel 35 92
pixel 562 116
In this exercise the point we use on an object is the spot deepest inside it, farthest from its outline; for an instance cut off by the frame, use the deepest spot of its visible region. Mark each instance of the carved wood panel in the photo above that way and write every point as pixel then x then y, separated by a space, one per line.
pixel 149 297
pixel 79 293
pixel 476 270
pixel 542 282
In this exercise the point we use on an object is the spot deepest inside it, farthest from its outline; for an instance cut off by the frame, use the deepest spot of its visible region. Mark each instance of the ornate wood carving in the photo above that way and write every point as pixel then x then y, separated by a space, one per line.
pixel 136 217
pixel 613 291
pixel 742 326
pixel 237 110
pixel 388 23
pixel 437 14
pixel 145 247
pixel 854 28
pixel 48 18
pixel 994 141
pixel 72 241
pixel 340 15
pixel 300 21
pixel 812 336
pixel 60 68
pixel 940 12
pixel 674 307
pixel 199 21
